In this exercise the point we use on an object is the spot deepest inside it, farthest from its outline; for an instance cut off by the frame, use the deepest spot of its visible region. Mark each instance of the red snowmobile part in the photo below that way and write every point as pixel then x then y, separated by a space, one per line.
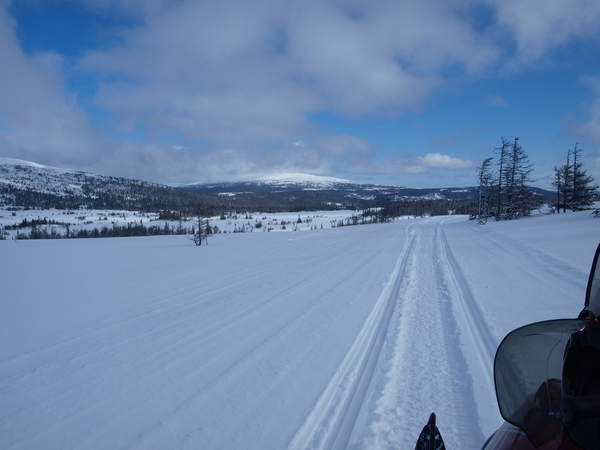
pixel 509 437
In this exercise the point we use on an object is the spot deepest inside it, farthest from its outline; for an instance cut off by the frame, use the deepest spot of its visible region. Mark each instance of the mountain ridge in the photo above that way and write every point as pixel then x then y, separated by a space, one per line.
pixel 296 182
pixel 28 184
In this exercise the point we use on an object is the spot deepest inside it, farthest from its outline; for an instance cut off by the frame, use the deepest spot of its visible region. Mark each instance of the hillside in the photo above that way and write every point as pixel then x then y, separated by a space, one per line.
pixel 29 185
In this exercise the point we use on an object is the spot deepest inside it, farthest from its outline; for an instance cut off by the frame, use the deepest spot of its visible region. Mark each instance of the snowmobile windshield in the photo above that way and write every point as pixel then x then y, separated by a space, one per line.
pixel 527 374
pixel 592 295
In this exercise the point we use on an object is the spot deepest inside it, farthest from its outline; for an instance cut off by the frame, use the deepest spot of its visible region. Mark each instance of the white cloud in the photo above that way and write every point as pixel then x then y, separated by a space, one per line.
pixel 355 155
pixel 312 56
pixel 244 75
pixel 40 121
pixel 539 26
pixel 590 129
pixel 424 164
pixel 441 161
pixel 242 78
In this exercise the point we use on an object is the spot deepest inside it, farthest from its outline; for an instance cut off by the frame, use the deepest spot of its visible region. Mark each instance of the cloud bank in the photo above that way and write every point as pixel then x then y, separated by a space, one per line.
pixel 222 89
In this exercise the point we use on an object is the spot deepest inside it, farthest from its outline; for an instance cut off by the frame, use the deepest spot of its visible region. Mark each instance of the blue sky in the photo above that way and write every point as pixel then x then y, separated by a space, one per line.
pixel 413 92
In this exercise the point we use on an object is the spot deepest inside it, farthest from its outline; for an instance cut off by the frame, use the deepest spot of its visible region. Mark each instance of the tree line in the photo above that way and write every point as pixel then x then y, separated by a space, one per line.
pixel 504 190
pixel 131 229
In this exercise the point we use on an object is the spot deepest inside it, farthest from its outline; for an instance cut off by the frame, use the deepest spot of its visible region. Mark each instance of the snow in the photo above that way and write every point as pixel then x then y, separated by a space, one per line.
pixel 28 175
pixel 302 178
pixel 288 180
pixel 19 162
pixel 90 219
pixel 342 337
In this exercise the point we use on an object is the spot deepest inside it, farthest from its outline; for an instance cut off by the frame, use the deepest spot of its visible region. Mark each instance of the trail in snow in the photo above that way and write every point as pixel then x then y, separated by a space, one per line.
pixel 426 365
pixel 157 343
pixel 331 422
pixel 478 344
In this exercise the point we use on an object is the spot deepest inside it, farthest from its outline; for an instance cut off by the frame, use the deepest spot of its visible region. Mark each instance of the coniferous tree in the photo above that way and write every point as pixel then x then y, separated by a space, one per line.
pixel 574 187
pixel 207 230
pixel 485 180
pixel 526 200
pixel 558 183
pixel 509 195
pixel 583 189
pixel 500 185
pixel 520 199
pixel 563 181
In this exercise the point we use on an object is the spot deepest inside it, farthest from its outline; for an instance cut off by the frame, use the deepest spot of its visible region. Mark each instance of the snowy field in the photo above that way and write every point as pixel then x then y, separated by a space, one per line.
pixel 330 338
pixel 86 219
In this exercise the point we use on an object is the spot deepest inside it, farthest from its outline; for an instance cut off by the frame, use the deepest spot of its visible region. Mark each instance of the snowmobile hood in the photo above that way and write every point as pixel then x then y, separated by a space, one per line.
pixel 528 375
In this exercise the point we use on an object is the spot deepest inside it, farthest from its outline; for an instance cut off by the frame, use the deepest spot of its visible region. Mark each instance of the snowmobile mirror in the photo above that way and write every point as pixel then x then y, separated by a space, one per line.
pixel 592 294
pixel 527 374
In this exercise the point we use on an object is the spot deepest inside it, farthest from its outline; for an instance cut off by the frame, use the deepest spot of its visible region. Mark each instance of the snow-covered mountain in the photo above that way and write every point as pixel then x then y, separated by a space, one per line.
pixel 303 179
pixel 300 182
pixel 31 185
pixel 25 183
pixel 281 182
pixel 27 175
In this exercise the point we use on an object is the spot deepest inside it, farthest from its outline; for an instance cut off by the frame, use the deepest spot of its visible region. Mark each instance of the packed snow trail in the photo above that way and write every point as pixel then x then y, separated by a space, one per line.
pixel 437 350
pixel 326 338
pixel 423 366
pixel 331 421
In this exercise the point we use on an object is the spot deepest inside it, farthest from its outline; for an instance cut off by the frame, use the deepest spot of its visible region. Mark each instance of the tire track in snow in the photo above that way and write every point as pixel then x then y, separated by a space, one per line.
pixel 330 423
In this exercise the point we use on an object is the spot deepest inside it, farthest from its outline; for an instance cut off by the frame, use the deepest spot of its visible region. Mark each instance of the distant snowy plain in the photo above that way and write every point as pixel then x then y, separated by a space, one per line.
pixel 89 219
pixel 323 338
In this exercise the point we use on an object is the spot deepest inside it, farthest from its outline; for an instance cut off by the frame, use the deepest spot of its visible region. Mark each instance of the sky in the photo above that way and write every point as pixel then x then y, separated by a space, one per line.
pixel 414 93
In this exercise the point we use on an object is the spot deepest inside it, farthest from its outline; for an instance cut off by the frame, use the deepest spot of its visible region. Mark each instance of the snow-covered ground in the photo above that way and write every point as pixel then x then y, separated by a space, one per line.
pixel 88 219
pixel 330 338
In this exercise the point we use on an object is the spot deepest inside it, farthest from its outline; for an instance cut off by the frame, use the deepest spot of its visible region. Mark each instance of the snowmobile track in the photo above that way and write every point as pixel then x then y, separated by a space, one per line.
pixel 330 423
pixel 433 348
pixel 480 334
